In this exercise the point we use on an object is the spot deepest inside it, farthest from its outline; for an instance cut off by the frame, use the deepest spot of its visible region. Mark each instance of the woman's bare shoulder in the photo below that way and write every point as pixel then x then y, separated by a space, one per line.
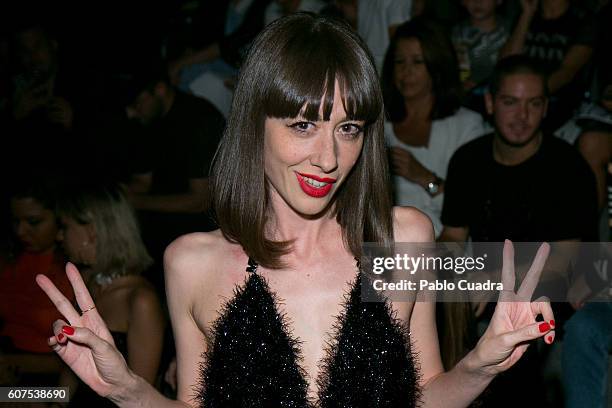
pixel 191 249
pixel 411 225
pixel 196 257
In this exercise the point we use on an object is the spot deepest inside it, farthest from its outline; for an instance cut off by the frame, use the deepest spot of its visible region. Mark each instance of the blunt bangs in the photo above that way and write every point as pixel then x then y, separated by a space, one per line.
pixel 291 70
pixel 313 60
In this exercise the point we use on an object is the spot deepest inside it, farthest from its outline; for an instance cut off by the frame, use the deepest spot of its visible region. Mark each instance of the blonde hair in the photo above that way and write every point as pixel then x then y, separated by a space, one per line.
pixel 119 247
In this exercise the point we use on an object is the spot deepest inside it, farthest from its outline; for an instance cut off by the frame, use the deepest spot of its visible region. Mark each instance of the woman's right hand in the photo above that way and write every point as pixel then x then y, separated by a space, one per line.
pixel 84 342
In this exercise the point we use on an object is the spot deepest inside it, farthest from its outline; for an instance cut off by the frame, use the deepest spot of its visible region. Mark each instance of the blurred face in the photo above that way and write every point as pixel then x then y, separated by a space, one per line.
pixel 480 9
pixel 518 108
pixel 307 162
pixel 34 225
pixel 78 241
pixel 147 107
pixel 418 8
pixel 410 72
pixel 36 52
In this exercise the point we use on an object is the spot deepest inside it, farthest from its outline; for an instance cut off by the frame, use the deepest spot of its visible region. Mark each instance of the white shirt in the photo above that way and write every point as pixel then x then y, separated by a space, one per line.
pixel 445 137
pixel 374 17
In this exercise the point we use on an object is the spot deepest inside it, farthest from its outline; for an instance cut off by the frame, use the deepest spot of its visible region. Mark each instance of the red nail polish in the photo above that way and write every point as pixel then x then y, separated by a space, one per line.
pixel 544 327
pixel 549 339
pixel 60 337
pixel 552 323
pixel 70 330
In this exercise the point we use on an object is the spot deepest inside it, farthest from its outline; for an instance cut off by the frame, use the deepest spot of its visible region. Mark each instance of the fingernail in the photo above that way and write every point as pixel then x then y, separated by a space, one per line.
pixel 70 330
pixel 544 327
pixel 552 323
pixel 60 337
pixel 549 339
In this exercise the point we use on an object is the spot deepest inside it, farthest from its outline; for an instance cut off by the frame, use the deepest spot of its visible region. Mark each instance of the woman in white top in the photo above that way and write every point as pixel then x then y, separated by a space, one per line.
pixel 425 121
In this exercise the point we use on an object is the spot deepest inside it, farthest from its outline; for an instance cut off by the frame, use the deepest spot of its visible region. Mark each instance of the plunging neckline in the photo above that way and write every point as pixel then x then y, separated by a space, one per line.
pixel 255 355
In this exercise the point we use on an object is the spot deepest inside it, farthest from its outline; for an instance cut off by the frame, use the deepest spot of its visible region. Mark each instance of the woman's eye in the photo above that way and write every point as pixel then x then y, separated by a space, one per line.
pixel 34 221
pixel 301 126
pixel 351 130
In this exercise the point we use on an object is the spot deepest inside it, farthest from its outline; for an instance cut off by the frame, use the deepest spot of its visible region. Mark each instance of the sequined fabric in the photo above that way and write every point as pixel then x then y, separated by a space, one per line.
pixel 255 362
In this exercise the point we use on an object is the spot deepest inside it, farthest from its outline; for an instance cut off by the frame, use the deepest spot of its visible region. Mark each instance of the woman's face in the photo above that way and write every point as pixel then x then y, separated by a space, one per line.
pixel 34 225
pixel 480 9
pixel 78 241
pixel 306 162
pixel 409 70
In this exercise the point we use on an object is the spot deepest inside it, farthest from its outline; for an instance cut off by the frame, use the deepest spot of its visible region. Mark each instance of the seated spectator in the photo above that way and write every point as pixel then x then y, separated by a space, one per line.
pixel 477 41
pixel 169 182
pixel 561 36
pixel 25 312
pixel 38 85
pixel 48 107
pixel 536 187
pixel 426 123
pixel 100 235
pixel 519 183
pixel 591 131
pixel 204 71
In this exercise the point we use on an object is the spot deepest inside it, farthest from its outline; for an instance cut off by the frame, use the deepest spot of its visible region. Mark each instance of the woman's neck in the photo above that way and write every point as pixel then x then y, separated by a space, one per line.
pixel 419 107
pixel 486 24
pixel 552 9
pixel 308 233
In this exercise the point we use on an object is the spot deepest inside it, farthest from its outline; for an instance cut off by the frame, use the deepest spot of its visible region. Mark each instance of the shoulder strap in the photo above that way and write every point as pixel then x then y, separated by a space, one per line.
pixel 252 265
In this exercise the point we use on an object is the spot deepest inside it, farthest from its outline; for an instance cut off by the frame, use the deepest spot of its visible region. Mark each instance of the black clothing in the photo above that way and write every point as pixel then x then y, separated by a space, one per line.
pixel 549 197
pixel 254 360
pixel 178 147
pixel 181 145
pixel 548 41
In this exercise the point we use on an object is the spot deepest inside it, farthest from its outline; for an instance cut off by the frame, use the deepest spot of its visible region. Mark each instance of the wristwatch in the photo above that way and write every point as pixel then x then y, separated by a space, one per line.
pixel 434 186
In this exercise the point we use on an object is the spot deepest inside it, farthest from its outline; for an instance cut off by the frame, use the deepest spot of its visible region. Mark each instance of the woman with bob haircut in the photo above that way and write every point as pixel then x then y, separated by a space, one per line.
pixel 426 123
pixel 100 234
pixel 300 182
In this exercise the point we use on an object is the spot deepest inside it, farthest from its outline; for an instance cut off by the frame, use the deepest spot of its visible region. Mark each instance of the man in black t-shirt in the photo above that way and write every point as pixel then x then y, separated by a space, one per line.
pixel 518 183
pixel 169 182
pixel 522 185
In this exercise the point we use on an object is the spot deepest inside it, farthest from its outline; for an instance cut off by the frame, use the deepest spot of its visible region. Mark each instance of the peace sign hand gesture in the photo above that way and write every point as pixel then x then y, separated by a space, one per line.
pixel 84 343
pixel 514 324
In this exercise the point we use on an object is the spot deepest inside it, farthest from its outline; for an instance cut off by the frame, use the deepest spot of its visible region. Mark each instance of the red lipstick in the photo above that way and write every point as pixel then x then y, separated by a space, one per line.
pixel 313 191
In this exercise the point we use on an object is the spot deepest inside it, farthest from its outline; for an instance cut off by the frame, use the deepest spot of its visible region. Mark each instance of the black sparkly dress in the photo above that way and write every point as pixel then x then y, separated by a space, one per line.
pixel 255 362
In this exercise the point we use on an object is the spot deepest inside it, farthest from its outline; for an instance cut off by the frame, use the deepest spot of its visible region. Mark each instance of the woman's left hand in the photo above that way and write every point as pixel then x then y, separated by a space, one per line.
pixel 513 325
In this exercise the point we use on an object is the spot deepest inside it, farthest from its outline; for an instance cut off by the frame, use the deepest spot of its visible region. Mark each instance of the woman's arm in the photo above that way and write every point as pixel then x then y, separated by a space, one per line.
pixel 513 325
pixel 87 347
pixel 145 333
pixel 516 42
pixel 185 262
pixel 404 164
pixel 576 57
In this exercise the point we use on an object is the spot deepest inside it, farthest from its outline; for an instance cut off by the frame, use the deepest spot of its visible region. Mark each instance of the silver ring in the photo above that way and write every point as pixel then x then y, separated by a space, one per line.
pixel 87 310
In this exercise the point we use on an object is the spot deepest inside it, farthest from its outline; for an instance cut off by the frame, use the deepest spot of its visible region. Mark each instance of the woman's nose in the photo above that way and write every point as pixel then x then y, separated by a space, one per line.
pixel 325 156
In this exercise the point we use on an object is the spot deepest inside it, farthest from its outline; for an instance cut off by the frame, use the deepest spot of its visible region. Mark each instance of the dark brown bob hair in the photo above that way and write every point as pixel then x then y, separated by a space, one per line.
pixel 291 69
pixel 441 62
